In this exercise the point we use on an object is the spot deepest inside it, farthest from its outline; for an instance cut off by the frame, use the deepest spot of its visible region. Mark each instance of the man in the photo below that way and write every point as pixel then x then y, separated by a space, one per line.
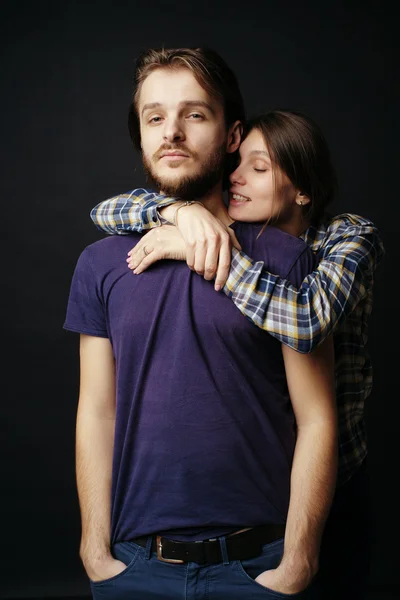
pixel 337 297
pixel 172 454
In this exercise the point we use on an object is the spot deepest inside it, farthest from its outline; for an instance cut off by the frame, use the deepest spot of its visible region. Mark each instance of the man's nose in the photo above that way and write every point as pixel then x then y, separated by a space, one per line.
pixel 173 131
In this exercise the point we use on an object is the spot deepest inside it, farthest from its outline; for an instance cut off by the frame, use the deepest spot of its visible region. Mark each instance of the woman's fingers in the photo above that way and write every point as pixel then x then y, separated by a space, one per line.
pixel 142 251
pixel 144 264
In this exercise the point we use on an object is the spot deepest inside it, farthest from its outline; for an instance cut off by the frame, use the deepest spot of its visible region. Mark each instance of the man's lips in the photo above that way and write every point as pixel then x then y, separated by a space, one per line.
pixel 174 155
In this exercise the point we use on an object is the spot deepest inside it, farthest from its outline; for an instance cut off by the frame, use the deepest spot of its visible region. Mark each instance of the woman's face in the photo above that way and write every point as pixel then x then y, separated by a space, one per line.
pixel 259 189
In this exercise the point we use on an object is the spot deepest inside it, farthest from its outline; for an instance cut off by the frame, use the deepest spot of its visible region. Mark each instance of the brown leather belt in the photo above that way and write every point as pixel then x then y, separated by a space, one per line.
pixel 241 545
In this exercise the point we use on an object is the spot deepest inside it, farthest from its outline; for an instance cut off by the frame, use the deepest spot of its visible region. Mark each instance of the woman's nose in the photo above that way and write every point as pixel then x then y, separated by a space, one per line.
pixel 236 177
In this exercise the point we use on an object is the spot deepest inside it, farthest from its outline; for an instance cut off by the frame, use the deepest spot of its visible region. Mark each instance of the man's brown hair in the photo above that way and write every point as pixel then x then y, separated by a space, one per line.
pixel 208 68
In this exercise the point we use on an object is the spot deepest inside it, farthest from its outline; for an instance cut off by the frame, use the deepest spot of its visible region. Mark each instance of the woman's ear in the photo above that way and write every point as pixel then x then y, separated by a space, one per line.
pixel 302 199
pixel 235 133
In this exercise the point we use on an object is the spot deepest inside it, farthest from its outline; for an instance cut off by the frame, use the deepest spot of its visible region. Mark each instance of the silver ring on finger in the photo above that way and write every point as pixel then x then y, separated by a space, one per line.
pixel 146 252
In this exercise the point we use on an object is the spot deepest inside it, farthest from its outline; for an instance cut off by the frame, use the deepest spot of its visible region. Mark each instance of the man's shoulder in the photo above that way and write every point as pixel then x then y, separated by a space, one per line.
pixel 288 254
pixel 269 243
pixel 113 241
pixel 103 250
pixel 285 241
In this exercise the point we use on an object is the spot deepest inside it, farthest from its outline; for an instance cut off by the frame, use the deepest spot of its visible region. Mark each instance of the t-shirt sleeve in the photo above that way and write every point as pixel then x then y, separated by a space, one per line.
pixel 303 266
pixel 85 308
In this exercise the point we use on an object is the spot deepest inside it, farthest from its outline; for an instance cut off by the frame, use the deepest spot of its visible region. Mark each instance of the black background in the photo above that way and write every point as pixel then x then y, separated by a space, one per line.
pixel 66 72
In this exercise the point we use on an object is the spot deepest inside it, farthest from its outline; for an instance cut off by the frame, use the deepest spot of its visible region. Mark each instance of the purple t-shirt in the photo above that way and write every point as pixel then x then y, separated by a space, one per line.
pixel 205 431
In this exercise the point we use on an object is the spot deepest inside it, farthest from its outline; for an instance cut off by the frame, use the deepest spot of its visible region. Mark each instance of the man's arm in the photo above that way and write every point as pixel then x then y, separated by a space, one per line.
pixel 311 385
pixel 94 449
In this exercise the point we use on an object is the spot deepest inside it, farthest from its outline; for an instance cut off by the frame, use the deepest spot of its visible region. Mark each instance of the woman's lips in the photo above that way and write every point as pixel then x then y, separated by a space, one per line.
pixel 238 199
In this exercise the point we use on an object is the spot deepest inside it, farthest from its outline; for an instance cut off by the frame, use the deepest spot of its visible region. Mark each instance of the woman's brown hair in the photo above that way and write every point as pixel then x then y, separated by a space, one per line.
pixel 297 147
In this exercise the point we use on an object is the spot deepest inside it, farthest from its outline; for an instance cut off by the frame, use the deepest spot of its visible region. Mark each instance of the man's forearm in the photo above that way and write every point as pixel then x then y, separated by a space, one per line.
pixel 312 488
pixel 94 450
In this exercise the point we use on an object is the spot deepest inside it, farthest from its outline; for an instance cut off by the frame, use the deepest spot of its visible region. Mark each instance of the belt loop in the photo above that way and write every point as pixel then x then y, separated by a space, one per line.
pixel 224 551
pixel 147 550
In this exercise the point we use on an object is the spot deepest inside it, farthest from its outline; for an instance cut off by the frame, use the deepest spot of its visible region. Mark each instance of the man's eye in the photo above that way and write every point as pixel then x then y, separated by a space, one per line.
pixel 155 120
pixel 195 116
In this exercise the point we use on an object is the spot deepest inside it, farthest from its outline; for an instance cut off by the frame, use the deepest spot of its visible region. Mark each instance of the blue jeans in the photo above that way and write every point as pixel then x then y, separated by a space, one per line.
pixel 147 578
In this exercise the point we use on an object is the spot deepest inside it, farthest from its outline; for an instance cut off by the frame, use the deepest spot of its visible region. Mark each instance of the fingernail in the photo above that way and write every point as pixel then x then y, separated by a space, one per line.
pixel 217 287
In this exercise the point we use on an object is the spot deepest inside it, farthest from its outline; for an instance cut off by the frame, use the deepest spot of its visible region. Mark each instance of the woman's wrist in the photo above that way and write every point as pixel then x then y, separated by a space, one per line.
pixel 187 203
pixel 168 212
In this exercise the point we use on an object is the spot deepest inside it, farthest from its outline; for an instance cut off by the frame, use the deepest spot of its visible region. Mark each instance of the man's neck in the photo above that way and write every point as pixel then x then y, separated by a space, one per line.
pixel 214 203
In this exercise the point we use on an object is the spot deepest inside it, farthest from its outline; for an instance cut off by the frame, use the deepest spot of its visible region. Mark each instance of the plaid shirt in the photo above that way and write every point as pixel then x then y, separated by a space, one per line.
pixel 336 297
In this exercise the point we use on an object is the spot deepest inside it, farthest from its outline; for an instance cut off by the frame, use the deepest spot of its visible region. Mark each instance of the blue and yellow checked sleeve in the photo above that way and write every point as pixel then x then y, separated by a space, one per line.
pixel 134 211
pixel 348 251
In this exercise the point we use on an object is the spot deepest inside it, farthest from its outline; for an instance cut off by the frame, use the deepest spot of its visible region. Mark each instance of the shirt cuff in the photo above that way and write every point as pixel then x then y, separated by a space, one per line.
pixel 151 217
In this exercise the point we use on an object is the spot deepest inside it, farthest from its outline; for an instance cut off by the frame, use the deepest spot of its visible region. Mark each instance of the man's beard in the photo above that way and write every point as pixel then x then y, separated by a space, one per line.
pixel 189 187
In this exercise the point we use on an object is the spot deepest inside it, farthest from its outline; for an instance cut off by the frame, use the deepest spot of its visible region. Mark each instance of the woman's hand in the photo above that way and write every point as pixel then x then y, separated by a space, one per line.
pixel 161 243
pixel 208 241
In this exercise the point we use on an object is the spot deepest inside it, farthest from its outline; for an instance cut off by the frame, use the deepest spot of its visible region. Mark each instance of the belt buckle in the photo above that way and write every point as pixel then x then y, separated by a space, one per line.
pixel 160 556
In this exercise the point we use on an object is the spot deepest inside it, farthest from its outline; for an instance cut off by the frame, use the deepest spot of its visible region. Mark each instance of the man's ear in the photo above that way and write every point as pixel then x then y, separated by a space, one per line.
pixel 302 199
pixel 235 133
